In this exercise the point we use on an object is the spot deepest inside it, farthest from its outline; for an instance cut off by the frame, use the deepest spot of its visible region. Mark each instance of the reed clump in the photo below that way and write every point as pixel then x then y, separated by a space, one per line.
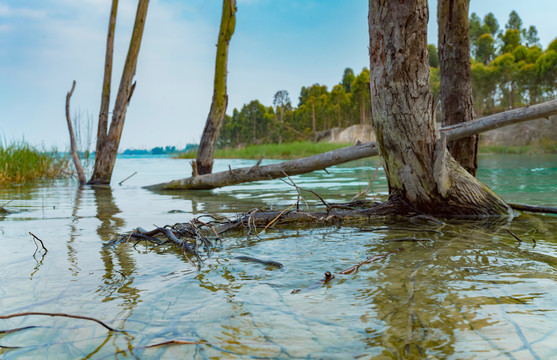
pixel 21 162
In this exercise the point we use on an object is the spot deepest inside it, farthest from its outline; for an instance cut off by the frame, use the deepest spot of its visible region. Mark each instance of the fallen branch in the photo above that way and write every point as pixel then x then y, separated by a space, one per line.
pixel 352 269
pixel 9 331
pixel 174 342
pixel 534 208
pixel 59 315
pixel 42 244
pixel 259 261
pixel 121 182
pixel 358 151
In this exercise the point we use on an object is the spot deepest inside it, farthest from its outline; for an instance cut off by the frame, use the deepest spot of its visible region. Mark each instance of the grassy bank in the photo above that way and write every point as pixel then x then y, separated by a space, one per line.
pixel 545 146
pixel 20 162
pixel 271 151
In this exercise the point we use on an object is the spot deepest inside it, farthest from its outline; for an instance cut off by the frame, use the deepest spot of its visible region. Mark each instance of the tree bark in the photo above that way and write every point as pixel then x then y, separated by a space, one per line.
pixel 107 143
pixel 217 112
pixel 420 171
pixel 359 151
pixel 73 147
pixel 456 77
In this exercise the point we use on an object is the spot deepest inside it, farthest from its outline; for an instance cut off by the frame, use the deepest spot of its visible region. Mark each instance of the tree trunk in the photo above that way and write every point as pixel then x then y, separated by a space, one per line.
pixel 107 143
pixel 107 79
pixel 313 128
pixel 73 146
pixel 363 109
pixel 338 114
pixel 281 124
pixel 359 151
pixel 456 77
pixel 420 171
pixel 217 112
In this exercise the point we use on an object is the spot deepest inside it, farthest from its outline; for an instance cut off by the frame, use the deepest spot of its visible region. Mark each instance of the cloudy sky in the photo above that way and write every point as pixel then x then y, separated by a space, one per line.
pixel 286 44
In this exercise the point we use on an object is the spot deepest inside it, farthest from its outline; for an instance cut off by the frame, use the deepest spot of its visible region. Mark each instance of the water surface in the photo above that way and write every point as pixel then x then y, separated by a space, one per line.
pixel 465 290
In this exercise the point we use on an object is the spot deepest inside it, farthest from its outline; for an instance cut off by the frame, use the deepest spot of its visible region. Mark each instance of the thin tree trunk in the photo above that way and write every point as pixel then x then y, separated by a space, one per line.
pixel 107 149
pixel 217 112
pixel 338 114
pixel 107 79
pixel 281 124
pixel 359 151
pixel 456 77
pixel 363 109
pixel 420 171
pixel 313 128
pixel 73 147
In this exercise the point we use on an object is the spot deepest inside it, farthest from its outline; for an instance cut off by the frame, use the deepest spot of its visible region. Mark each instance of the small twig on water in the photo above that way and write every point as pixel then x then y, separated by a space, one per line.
pixel 9 331
pixel 174 342
pixel 516 237
pixel 369 185
pixel 59 315
pixel 121 182
pixel 276 218
pixel 42 244
pixel 311 191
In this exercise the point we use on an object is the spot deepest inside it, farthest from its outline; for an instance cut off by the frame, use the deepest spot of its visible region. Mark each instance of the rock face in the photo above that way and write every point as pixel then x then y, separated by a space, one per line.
pixel 350 135
pixel 525 133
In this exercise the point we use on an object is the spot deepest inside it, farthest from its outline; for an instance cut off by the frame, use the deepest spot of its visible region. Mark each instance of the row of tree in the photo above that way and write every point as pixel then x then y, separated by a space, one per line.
pixel 509 69
pixel 318 109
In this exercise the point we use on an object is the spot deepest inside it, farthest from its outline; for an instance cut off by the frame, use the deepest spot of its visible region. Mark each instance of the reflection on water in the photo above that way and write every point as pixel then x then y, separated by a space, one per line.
pixel 457 290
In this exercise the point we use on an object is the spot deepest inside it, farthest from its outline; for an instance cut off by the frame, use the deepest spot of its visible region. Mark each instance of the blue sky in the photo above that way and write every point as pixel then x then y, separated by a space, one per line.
pixel 286 44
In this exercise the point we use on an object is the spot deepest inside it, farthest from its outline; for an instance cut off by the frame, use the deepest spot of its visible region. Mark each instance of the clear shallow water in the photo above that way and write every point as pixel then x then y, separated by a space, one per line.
pixel 470 291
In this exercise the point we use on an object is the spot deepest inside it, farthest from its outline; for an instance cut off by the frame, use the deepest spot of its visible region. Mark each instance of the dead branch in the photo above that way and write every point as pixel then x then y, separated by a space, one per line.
pixel 534 208
pixel 59 315
pixel 174 342
pixel 42 244
pixel 514 236
pixel 121 182
pixel 73 146
pixel 259 261
pixel 9 331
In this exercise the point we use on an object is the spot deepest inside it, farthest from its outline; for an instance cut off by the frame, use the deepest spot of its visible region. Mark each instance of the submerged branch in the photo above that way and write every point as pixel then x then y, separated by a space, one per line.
pixel 59 315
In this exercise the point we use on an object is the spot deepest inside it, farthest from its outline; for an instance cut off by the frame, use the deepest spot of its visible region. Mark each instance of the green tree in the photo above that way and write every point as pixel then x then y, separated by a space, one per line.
pixel 280 101
pixel 433 55
pixel 485 48
pixel 361 97
pixel 514 23
pixel 511 40
pixel 531 37
pixel 348 79
pixel 506 69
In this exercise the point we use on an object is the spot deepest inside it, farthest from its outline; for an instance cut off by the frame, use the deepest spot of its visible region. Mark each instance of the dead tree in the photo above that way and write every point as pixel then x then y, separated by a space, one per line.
pixel 213 126
pixel 108 139
pixel 456 77
pixel 73 146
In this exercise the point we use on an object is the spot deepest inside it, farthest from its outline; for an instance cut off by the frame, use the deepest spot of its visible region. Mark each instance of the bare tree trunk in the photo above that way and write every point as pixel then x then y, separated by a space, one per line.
pixel 456 77
pixel 281 124
pixel 107 79
pixel 107 143
pixel 313 128
pixel 363 109
pixel 359 151
pixel 73 147
pixel 217 112
pixel 420 171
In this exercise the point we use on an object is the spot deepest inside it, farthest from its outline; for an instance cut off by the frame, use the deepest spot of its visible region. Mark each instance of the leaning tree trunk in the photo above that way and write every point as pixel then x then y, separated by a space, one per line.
pixel 456 77
pixel 420 171
pixel 213 126
pixel 109 140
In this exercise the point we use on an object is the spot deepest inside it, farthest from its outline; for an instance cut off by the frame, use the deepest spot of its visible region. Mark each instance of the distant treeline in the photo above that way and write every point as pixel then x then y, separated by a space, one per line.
pixel 160 150
pixel 509 69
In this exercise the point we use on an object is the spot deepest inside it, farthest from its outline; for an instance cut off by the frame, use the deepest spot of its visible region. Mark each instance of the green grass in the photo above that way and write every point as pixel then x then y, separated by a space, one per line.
pixel 294 150
pixel 20 162
pixel 545 146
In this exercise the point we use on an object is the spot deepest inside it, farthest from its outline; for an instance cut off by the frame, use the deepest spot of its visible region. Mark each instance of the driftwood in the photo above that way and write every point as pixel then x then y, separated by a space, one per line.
pixel 358 151
pixel 533 208
pixel 59 315
pixel 73 147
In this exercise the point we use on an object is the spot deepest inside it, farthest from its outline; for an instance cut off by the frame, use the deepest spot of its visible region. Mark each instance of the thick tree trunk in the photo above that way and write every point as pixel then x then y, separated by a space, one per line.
pixel 359 151
pixel 73 146
pixel 420 171
pixel 107 143
pixel 217 112
pixel 456 77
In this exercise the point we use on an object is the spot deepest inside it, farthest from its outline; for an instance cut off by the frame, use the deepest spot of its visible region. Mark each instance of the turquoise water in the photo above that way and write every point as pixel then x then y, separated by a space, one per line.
pixel 467 290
